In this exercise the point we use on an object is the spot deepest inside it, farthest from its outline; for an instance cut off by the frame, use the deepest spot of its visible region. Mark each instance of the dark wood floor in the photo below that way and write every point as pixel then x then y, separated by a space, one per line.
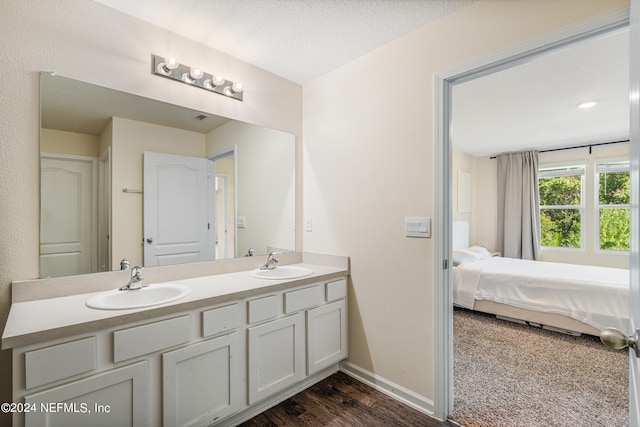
pixel 342 401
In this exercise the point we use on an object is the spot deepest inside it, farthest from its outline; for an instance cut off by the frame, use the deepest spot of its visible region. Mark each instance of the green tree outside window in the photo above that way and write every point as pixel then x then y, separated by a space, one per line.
pixel 613 206
pixel 560 207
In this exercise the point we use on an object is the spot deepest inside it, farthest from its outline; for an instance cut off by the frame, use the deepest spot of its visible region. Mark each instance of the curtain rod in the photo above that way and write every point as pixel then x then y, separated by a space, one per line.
pixel 578 146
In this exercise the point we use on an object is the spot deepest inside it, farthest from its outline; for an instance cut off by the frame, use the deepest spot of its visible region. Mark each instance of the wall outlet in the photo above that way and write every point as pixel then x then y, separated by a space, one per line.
pixel 308 224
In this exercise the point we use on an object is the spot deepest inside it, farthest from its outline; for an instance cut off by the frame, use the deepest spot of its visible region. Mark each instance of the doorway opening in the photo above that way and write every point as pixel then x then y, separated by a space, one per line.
pixel 446 81
pixel 225 168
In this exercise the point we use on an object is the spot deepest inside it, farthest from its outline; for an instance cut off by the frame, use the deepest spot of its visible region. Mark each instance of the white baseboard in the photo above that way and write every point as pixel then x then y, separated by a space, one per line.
pixel 389 388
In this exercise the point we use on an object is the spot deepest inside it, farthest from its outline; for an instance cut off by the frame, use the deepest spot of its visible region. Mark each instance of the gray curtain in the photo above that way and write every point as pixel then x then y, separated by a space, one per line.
pixel 518 205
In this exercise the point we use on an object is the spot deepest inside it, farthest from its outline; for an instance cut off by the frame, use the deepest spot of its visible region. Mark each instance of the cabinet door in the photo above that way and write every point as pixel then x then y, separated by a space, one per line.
pixel 202 382
pixel 326 336
pixel 276 356
pixel 114 398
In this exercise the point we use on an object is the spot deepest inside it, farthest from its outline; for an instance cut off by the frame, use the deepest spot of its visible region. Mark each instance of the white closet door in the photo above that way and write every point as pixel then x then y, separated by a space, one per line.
pixel 67 223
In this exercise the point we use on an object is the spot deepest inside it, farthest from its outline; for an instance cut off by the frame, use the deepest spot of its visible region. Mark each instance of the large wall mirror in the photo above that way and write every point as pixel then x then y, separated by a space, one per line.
pixel 130 178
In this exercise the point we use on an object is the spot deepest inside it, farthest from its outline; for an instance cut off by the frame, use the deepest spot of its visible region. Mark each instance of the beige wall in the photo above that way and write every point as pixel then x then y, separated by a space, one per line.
pixel 266 184
pixel 84 40
pixel 77 144
pixel 368 163
pixel 483 216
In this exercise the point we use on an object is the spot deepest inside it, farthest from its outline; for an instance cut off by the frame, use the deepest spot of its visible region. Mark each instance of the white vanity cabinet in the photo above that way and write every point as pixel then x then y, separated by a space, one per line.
pixel 327 337
pixel 201 383
pixel 218 364
pixel 275 356
pixel 301 334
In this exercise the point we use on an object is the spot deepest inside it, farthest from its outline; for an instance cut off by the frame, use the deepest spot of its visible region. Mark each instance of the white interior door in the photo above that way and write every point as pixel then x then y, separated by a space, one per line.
pixel 634 312
pixel 67 222
pixel 177 227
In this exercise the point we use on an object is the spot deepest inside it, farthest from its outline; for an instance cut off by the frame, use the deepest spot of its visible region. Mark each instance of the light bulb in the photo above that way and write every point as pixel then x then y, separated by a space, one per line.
pixel 171 63
pixel 167 66
pixel 587 104
pixel 214 81
pixel 193 75
pixel 237 87
pixel 217 80
pixel 196 73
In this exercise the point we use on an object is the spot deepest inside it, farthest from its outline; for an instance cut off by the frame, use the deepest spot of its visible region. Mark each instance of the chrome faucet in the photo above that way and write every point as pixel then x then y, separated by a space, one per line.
pixel 135 282
pixel 271 261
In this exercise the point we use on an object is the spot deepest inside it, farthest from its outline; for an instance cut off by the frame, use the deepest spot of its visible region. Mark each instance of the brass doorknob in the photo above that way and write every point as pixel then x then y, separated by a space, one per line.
pixel 616 339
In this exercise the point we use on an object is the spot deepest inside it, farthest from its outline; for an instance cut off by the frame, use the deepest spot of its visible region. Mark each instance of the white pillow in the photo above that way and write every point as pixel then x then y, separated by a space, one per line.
pixel 462 256
pixel 483 252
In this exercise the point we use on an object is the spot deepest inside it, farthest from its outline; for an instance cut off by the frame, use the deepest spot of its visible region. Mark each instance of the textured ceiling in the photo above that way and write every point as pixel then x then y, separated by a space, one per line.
pixel 295 39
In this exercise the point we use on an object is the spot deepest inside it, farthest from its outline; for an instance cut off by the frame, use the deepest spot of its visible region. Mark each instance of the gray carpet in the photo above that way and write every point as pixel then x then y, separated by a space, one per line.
pixel 513 375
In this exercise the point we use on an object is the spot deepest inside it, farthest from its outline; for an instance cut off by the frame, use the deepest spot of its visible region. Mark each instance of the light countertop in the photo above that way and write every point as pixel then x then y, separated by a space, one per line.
pixel 34 321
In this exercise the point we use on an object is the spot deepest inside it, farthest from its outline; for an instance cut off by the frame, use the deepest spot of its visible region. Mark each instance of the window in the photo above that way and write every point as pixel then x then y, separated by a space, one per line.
pixel 612 205
pixel 561 205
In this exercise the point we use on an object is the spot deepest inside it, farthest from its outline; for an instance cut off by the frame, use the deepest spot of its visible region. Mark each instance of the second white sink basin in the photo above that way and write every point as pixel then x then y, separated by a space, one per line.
pixel 283 272
pixel 138 298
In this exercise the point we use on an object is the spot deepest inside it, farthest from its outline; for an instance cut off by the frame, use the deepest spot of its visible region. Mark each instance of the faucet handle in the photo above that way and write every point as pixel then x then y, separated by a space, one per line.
pixel 137 272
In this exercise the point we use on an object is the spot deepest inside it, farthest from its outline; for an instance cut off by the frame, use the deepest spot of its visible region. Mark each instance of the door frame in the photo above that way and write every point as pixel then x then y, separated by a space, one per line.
pixel 233 153
pixel 444 82
pixel 634 134
pixel 222 179
pixel 104 211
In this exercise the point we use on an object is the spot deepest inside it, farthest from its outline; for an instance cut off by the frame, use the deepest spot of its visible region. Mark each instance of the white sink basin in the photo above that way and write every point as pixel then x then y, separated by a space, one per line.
pixel 138 298
pixel 282 273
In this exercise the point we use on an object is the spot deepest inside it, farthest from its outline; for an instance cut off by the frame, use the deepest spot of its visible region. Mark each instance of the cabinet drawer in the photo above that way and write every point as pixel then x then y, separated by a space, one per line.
pixel 303 298
pixel 145 339
pixel 336 290
pixel 221 319
pixel 60 361
pixel 262 309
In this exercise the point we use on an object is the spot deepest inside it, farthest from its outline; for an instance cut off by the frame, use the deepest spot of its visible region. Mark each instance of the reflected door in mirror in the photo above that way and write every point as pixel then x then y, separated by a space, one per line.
pixel 67 241
pixel 177 219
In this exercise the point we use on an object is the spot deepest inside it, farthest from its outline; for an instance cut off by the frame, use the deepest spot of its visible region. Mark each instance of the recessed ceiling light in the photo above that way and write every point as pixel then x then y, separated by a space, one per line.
pixel 587 104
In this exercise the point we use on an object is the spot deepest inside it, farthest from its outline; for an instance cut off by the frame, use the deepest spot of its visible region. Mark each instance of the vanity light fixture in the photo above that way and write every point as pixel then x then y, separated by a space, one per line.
pixel 172 69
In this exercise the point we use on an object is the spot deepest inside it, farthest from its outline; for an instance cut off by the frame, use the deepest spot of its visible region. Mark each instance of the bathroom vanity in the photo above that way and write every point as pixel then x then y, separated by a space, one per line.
pixel 231 348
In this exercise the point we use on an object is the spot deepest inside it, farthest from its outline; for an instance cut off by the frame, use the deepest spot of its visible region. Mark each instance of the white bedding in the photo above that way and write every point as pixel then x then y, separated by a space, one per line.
pixel 596 296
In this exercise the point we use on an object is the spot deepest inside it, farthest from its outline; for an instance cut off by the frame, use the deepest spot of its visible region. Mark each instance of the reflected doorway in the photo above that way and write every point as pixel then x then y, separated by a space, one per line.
pixel 225 168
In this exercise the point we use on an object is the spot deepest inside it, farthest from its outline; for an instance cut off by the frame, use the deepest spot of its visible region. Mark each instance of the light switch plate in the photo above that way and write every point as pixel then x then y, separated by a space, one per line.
pixel 417 226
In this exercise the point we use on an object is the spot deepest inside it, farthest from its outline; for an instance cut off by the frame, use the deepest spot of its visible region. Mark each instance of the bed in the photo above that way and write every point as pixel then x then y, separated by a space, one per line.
pixel 566 298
